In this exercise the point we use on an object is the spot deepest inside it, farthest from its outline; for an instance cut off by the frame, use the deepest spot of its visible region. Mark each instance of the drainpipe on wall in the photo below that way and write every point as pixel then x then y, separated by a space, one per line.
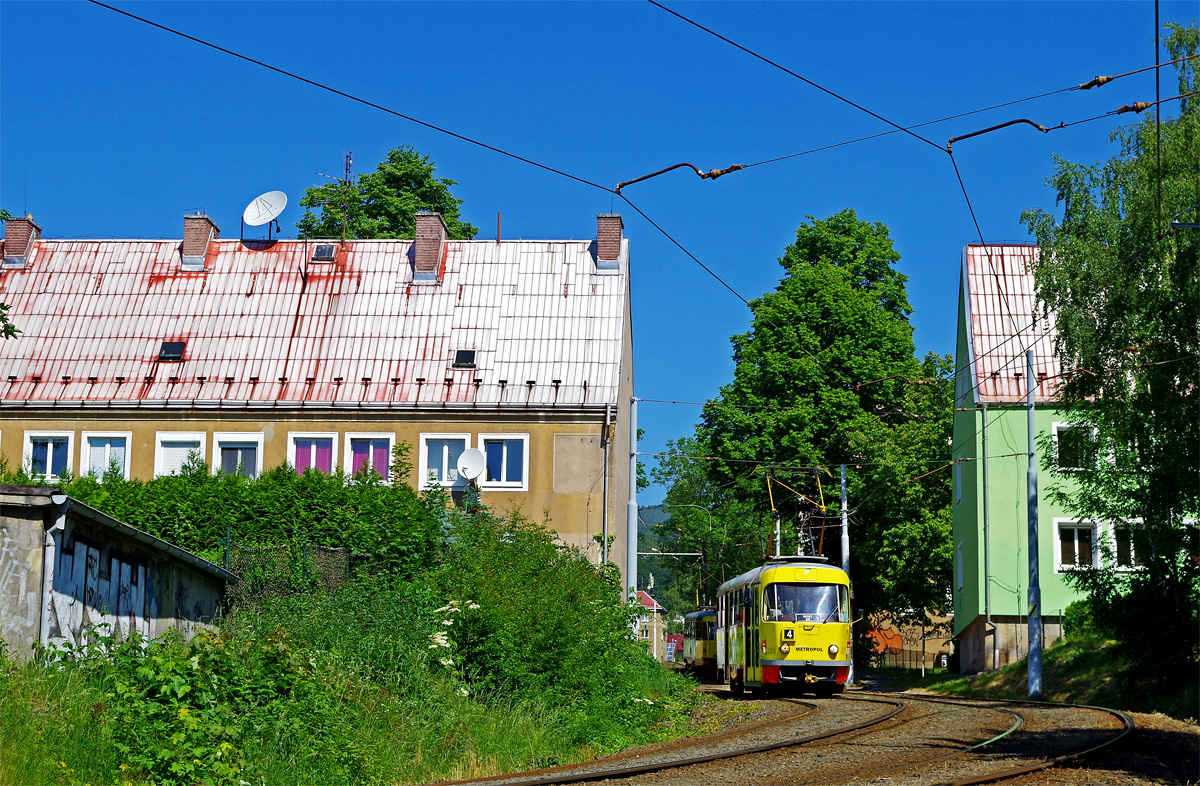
pixel 987 553
pixel 604 440
pixel 49 560
pixel 631 511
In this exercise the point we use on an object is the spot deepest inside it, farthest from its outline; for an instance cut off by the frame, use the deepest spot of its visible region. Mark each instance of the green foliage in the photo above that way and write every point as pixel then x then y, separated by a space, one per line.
pixel 383 203
pixel 526 617
pixel 826 376
pixel 1124 287
pixel 1078 619
pixel 395 524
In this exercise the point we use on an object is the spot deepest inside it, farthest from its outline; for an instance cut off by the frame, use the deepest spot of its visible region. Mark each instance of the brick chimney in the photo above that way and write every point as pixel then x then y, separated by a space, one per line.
pixel 427 248
pixel 198 232
pixel 608 240
pixel 19 236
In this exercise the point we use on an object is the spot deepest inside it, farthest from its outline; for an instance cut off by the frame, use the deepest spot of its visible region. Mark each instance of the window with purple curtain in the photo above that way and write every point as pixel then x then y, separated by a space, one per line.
pixel 315 452
pixel 371 453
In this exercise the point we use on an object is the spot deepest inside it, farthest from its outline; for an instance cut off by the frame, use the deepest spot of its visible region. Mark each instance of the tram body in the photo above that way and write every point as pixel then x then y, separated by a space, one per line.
pixel 700 639
pixel 786 623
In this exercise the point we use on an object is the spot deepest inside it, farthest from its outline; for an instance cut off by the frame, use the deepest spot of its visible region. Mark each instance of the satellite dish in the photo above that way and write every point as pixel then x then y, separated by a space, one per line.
pixel 471 464
pixel 264 208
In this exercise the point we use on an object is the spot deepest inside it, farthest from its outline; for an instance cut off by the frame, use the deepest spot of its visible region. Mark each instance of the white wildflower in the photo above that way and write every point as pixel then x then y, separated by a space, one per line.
pixel 446 661
pixel 472 605
pixel 454 603
pixel 447 622
pixel 462 691
pixel 442 609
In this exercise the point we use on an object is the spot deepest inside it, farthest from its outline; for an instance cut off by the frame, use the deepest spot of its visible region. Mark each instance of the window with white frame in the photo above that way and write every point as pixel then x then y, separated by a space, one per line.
pixel 48 454
pixel 238 453
pixel 312 451
pixel 1077 545
pixel 368 453
pixel 506 461
pixel 173 449
pixel 1074 447
pixel 105 450
pixel 439 458
pixel 1124 555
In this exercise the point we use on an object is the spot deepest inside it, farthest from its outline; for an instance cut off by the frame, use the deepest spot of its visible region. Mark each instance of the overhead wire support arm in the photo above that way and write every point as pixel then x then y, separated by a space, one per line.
pixel 1038 126
pixel 711 174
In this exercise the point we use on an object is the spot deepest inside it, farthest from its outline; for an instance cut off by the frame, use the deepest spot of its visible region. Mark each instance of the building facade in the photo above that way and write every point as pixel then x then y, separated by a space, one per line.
pixel 998 320
pixel 136 354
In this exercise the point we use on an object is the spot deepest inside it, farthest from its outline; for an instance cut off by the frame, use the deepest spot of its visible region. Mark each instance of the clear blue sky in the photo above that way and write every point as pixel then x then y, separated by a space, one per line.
pixel 112 128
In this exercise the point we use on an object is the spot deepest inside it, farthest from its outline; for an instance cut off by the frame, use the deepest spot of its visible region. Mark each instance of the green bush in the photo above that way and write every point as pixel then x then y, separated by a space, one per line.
pixel 195 509
pixel 528 617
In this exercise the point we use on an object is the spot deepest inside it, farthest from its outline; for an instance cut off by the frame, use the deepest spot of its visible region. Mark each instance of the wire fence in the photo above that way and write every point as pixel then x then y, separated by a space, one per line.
pixel 276 571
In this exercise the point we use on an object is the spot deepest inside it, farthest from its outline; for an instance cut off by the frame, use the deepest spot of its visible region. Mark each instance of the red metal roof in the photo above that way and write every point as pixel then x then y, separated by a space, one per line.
pixel 648 602
pixel 265 327
pixel 1003 321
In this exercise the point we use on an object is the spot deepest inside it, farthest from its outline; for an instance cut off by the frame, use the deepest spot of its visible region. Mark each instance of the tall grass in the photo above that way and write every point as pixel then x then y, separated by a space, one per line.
pixel 53 726
pixel 509 653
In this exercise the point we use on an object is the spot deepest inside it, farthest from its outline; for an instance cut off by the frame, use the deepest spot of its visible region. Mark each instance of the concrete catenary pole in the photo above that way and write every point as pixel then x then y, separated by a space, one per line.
pixel 846 563
pixel 631 510
pixel 1035 590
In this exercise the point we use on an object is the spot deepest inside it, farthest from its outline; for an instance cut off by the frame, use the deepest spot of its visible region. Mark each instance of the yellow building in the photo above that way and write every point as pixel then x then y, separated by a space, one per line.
pixel 327 355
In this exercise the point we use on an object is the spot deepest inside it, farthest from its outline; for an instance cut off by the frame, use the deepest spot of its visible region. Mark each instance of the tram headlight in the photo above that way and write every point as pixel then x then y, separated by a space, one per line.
pixel 785 648
pixel 833 650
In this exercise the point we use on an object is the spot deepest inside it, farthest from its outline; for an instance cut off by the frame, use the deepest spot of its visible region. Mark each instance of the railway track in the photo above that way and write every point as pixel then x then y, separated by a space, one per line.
pixel 863 738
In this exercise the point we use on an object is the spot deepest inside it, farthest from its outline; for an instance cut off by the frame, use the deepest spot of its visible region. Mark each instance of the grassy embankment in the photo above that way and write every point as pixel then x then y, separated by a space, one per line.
pixel 1078 670
pixel 509 654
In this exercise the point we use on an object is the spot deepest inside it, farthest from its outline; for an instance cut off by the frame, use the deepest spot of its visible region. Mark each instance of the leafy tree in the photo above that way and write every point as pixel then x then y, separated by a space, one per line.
pixel 1123 286
pixel 826 376
pixel 7 328
pixel 383 203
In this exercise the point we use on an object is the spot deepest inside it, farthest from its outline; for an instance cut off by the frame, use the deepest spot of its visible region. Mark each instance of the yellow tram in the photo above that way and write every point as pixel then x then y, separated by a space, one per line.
pixel 786 623
pixel 700 639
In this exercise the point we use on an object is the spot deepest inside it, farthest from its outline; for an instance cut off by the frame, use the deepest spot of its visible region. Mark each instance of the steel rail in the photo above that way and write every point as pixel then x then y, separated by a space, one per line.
pixel 682 742
pixel 1017 725
pixel 1127 725
pixel 623 772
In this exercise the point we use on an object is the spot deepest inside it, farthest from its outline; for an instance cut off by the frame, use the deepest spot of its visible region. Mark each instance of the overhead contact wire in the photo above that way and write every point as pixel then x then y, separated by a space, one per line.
pixel 351 96
pixel 788 71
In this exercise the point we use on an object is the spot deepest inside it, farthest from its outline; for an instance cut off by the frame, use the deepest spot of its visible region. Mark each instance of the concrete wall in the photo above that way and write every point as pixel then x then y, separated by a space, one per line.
pixel 1011 636
pixel 69 573
pixel 21 538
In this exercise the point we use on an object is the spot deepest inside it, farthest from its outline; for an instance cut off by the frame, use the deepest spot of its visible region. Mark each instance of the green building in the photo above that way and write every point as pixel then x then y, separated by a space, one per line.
pixel 998 320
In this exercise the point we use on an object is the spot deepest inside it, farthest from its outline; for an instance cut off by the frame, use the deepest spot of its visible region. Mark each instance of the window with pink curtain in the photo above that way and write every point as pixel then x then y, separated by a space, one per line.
pixel 314 452
pixel 371 453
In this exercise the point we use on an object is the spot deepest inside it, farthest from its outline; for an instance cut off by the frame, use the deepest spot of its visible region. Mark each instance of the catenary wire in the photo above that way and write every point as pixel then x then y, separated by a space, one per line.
pixel 351 96
pixel 788 71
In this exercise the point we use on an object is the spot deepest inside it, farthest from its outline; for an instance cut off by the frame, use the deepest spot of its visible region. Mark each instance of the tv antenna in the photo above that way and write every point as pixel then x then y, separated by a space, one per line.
pixel 345 181
pixel 264 209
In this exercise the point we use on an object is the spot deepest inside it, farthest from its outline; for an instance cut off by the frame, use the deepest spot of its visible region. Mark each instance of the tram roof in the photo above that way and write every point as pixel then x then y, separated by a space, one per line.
pixel 809 563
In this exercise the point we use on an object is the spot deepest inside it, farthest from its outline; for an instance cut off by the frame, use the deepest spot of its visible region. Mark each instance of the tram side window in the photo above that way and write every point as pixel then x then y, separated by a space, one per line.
pixel 804 603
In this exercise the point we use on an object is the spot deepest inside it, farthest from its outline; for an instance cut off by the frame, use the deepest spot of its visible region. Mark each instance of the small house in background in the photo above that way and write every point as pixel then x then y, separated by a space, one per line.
pixel 652 625
pixel 327 355
pixel 998 321
pixel 68 571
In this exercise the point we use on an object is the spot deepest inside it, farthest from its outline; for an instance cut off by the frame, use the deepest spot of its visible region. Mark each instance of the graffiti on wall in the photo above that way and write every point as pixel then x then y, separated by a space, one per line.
pixel 100 588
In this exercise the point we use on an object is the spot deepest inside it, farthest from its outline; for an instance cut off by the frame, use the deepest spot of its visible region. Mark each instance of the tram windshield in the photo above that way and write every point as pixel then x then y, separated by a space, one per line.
pixel 804 603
